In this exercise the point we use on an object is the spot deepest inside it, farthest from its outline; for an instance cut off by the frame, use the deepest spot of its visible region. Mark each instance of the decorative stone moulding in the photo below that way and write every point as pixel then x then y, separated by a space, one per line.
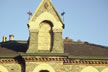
pixel 67 61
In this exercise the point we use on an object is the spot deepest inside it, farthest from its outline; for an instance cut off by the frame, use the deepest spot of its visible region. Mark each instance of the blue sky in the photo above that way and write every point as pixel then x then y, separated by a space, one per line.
pixel 85 20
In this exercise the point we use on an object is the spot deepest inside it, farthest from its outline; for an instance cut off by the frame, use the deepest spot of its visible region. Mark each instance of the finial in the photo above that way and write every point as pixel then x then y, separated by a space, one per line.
pixel 30 14
pixel 4 39
pixel 62 14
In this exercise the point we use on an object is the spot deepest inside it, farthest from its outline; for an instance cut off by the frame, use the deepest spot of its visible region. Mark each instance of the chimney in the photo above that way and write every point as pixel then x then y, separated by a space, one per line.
pixel 67 39
pixel 11 37
pixel 4 39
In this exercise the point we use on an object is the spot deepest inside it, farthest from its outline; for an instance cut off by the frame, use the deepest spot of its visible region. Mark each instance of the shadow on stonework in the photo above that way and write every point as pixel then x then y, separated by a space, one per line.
pixel 44 71
pixel 21 61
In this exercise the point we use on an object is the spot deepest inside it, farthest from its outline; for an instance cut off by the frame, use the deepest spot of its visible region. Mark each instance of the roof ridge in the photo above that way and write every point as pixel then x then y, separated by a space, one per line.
pixel 96 45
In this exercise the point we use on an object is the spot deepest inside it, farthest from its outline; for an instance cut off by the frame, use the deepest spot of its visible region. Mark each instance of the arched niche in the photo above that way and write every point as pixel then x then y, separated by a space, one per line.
pixel 45 36
pixel 3 69
pixel 89 69
pixel 105 70
pixel 44 67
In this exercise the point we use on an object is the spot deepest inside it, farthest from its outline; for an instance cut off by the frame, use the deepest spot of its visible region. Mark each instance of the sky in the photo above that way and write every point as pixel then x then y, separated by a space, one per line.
pixel 85 20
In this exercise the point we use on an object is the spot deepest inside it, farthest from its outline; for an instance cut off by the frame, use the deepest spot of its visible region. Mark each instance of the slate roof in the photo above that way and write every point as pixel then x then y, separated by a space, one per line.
pixel 85 49
pixel 72 48
pixel 14 46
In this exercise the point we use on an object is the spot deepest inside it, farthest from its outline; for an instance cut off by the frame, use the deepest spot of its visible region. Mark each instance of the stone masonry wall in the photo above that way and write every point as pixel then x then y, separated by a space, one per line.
pixel 12 67
pixel 60 67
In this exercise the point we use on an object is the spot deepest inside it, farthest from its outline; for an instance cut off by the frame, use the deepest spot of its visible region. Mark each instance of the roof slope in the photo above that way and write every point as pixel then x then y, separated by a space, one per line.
pixel 85 49
pixel 10 47
pixel 73 49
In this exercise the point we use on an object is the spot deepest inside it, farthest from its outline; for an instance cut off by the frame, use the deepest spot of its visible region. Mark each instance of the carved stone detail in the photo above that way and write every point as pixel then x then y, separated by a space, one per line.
pixel 46 5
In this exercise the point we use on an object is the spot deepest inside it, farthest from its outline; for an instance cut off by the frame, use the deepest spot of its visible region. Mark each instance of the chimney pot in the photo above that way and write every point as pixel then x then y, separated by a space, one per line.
pixel 11 37
pixel 4 39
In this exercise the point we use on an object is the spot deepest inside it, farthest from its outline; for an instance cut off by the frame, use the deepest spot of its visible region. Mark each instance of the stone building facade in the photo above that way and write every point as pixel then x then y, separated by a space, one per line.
pixel 46 51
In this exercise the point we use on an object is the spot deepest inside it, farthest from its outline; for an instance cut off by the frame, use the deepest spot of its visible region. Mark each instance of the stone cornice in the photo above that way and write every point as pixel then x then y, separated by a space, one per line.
pixel 67 61
pixel 8 61
pixel 64 60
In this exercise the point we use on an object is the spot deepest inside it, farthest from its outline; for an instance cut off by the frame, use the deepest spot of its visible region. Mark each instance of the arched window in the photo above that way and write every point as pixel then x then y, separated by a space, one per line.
pixel 44 68
pixel 44 71
pixel 89 69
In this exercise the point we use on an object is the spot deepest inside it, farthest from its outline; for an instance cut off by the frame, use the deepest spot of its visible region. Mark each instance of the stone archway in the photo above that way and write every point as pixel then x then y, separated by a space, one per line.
pixel 89 69
pixel 44 68
pixel 3 69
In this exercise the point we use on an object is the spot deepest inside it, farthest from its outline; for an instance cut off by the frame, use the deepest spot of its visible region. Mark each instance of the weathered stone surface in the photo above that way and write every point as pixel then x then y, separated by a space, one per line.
pixel 33 43
pixel 58 43
pixel 10 68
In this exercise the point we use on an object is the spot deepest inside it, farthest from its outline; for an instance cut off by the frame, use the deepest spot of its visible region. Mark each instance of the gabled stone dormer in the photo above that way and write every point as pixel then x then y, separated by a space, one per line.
pixel 45 27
